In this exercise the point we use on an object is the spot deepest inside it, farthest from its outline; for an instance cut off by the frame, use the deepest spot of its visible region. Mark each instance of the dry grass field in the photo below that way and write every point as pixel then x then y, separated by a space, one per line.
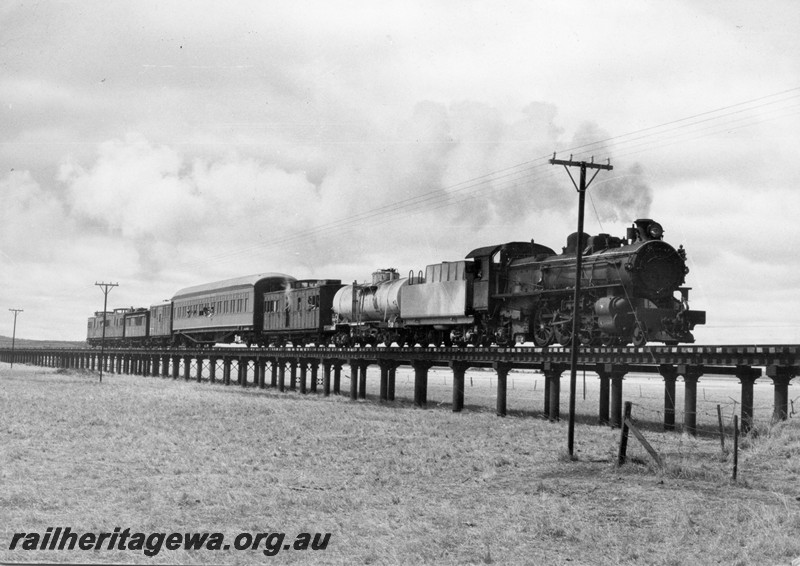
pixel 5 342
pixel 392 484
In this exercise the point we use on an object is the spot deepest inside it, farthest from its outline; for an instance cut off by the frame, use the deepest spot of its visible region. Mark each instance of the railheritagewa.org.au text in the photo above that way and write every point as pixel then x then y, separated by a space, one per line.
pixel 150 544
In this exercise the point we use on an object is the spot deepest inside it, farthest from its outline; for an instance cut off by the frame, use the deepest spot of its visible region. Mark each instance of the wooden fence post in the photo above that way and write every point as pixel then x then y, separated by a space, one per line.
pixel 623 439
pixel 721 428
pixel 735 446
pixel 627 425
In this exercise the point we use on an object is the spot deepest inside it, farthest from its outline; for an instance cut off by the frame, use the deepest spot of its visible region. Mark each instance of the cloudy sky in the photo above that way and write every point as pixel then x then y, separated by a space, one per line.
pixel 167 144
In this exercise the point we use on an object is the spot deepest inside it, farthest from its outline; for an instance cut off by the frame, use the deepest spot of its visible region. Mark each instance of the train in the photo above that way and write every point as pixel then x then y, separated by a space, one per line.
pixel 633 292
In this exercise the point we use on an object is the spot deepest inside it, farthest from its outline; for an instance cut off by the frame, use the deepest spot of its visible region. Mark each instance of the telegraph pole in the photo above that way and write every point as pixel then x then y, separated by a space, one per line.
pixel 106 287
pixel 14 334
pixel 581 188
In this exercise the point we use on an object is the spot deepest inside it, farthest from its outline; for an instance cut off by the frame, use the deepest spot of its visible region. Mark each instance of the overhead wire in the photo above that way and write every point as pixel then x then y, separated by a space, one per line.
pixel 477 192
pixel 651 138
pixel 688 119
pixel 474 192
pixel 411 204
pixel 708 122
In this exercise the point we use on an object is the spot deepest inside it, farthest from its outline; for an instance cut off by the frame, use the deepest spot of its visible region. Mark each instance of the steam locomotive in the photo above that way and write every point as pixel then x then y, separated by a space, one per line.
pixel 516 292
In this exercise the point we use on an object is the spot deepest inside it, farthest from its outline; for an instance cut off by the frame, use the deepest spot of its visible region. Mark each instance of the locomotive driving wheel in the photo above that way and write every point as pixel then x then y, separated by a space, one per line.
pixel 542 329
pixel 563 332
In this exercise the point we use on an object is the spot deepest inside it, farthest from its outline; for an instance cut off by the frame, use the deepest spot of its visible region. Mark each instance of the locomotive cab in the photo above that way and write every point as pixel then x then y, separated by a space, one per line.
pixel 492 280
pixel 491 277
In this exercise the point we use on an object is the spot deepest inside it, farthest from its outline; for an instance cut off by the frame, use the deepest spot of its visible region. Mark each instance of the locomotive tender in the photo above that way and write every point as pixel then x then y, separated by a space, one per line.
pixel 502 294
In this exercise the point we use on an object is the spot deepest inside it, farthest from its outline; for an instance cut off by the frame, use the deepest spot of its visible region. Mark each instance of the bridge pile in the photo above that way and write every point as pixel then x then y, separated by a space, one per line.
pixel 268 367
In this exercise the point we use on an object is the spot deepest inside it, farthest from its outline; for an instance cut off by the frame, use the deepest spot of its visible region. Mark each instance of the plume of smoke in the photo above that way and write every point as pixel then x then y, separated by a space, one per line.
pixel 625 196
pixel 624 193
pixel 431 182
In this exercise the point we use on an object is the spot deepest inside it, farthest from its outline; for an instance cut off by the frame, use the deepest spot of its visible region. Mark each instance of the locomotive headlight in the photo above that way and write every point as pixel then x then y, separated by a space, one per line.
pixel 655 231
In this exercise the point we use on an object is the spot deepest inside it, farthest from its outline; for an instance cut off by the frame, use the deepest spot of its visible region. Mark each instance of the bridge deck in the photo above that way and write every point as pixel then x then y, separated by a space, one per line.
pixel 743 362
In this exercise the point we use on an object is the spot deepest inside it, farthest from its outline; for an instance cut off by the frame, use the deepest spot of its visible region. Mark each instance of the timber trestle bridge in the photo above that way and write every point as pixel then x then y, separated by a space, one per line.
pixel 267 367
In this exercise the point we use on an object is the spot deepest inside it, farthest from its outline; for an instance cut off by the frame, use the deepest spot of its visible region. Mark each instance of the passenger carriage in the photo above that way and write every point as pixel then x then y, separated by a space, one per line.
pixel 300 314
pixel 222 311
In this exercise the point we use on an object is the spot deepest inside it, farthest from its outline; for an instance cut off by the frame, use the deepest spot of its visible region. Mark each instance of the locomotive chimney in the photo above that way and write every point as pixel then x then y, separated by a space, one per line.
pixel 649 229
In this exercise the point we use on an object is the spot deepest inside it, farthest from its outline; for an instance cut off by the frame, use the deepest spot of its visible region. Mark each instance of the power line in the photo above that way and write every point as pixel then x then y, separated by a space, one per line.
pixel 650 138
